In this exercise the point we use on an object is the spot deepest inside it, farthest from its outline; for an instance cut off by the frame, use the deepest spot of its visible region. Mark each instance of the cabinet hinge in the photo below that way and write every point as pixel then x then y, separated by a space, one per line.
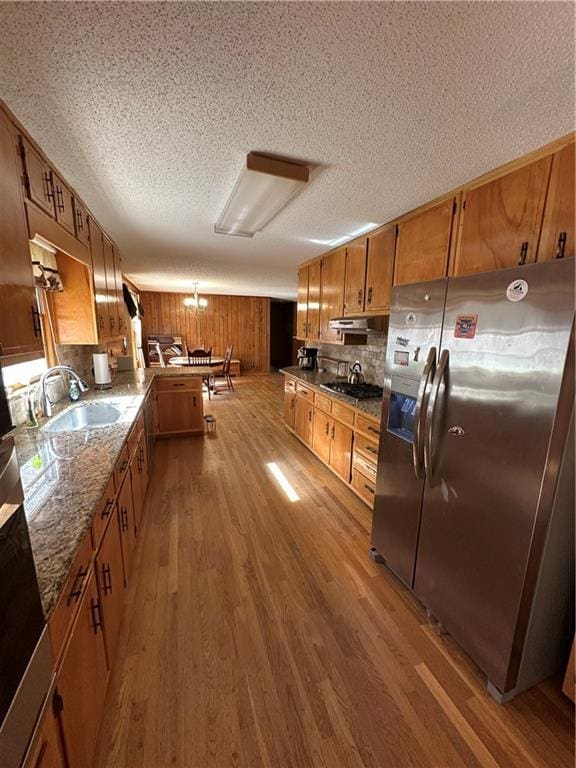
pixel 57 702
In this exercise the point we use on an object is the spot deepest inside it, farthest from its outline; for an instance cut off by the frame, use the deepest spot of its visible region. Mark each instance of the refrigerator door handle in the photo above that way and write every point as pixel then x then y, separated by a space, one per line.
pixel 430 414
pixel 420 414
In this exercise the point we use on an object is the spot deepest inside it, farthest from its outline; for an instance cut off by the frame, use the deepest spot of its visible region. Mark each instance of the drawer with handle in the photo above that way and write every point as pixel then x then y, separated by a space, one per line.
pixel 103 513
pixel 366 467
pixel 175 383
pixel 289 385
pixel 65 609
pixel 365 446
pixel 368 426
pixel 304 391
pixel 135 435
pixel 365 488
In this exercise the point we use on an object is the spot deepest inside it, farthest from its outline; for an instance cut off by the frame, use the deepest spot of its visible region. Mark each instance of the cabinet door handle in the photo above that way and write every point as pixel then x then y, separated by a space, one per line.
pixel 178 384
pixel 371 449
pixel 562 238
pixel 369 488
pixel 112 324
pixel 333 432
pixel 360 292
pixel 373 429
pixel 124 518
pixel 36 324
pixel 370 295
pixel 327 427
pixel 77 585
pixel 194 401
pixel 523 254
pixel 79 220
pixel 107 579
pixel 96 611
pixel 310 415
pixel 59 198
pixel 47 181
pixel 107 508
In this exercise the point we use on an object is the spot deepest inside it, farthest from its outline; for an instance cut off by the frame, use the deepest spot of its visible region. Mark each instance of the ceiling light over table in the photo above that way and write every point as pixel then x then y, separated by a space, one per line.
pixel 263 188
pixel 195 303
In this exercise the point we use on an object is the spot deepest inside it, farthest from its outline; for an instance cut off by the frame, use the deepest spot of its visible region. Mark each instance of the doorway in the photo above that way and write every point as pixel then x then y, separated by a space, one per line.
pixel 282 325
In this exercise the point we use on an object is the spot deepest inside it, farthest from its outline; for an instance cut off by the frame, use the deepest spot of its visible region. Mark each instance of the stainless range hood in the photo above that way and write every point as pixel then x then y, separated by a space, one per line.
pixel 362 325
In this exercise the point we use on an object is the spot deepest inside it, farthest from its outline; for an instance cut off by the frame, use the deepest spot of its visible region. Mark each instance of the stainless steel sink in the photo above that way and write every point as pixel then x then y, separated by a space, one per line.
pixel 85 416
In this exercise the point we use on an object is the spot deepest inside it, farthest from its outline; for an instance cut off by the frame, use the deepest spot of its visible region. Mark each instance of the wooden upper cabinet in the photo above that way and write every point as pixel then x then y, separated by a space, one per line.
pixel 112 299
pixel 81 222
pixel 380 270
pixel 500 221
pixel 20 332
pixel 423 244
pixel 332 292
pixel 119 296
pixel 558 237
pixel 302 306
pixel 63 203
pixel 314 278
pixel 38 179
pixel 99 275
pixel 355 278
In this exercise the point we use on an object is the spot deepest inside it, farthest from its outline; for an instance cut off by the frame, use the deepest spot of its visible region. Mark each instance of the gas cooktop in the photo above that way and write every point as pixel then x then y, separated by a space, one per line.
pixel 358 391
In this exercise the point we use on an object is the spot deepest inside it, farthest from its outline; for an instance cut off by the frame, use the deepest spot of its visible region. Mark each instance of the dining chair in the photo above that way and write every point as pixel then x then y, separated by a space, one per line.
pixel 224 372
pixel 200 358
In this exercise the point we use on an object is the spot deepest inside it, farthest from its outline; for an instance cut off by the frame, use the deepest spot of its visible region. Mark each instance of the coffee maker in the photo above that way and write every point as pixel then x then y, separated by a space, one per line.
pixel 307 358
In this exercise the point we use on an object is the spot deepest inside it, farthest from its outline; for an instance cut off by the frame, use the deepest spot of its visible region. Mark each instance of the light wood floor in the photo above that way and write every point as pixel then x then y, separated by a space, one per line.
pixel 259 632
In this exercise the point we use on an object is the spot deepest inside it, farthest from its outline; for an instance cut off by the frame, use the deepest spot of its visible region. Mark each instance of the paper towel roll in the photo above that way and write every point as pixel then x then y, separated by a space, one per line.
pixel 102 375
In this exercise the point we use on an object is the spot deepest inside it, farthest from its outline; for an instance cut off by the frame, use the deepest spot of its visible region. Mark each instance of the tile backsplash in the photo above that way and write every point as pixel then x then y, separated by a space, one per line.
pixel 371 356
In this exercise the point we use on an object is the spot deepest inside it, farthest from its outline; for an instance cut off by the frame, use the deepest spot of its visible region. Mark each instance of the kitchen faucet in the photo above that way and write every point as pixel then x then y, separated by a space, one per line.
pixel 45 402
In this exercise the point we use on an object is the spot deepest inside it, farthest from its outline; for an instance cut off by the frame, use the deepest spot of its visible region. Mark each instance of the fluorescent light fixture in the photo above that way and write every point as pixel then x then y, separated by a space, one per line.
pixel 282 481
pixel 263 188
pixel 345 238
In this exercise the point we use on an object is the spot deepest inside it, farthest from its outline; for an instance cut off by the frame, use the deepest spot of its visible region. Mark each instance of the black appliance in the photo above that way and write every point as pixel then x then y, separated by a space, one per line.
pixel 5 422
pixel 26 663
pixel 357 391
pixel 307 358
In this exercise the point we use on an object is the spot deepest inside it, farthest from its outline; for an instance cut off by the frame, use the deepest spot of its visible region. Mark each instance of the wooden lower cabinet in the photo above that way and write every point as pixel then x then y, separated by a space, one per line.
pixel 136 486
pixel 289 408
pixel 321 439
pixel 332 442
pixel 303 420
pixel 46 748
pixel 111 586
pixel 125 515
pixel 179 406
pixel 82 680
pixel 341 450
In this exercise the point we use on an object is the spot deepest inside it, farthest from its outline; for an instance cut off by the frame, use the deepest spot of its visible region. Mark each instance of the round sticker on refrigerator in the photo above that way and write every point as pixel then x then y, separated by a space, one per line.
pixel 517 290
pixel 410 318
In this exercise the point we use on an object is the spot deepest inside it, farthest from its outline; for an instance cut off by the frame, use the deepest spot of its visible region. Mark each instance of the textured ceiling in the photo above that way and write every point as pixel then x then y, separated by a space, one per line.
pixel 149 110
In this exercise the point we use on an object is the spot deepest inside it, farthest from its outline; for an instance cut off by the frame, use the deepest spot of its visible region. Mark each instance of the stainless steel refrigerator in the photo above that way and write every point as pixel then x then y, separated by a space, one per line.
pixel 474 506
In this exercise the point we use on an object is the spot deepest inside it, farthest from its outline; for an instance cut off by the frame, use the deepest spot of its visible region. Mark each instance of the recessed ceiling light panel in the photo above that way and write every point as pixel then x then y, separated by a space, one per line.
pixel 263 188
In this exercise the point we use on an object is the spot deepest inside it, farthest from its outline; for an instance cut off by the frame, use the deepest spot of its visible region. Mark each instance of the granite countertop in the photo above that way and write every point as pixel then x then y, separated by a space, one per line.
pixel 64 475
pixel 372 406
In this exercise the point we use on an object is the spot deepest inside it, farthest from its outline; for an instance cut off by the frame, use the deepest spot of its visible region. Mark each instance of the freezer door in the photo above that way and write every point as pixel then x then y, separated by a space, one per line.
pixel 489 424
pixel 413 339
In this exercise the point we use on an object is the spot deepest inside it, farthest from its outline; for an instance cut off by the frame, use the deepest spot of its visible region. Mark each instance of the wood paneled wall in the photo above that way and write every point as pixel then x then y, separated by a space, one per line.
pixel 240 320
